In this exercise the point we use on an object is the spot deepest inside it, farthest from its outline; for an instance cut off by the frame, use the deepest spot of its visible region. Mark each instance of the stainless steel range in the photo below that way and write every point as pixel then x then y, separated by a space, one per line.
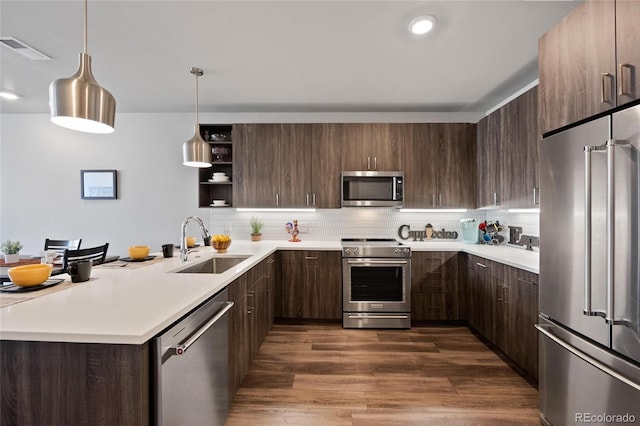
pixel 376 283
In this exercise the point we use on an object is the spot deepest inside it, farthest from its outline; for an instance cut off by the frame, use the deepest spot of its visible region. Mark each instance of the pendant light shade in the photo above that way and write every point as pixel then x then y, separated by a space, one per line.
pixel 196 152
pixel 79 102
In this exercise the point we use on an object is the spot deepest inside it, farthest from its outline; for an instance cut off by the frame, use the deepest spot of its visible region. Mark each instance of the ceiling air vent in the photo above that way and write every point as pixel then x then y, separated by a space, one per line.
pixel 23 49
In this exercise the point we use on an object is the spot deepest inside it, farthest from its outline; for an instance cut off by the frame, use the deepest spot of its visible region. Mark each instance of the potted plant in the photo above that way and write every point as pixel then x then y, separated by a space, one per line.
pixel 11 250
pixel 256 227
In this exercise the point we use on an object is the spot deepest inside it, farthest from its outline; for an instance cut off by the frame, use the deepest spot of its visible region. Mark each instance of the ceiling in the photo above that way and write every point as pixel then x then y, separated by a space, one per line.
pixel 280 56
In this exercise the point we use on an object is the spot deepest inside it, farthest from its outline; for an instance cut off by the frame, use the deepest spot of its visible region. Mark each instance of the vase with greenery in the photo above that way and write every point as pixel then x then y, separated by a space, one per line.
pixel 11 250
pixel 256 227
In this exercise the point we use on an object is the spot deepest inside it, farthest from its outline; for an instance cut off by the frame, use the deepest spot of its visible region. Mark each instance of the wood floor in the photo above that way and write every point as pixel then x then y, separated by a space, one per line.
pixel 325 375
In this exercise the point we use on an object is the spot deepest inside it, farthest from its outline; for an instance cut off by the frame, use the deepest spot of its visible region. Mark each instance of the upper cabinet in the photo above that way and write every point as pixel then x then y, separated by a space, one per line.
pixel 372 146
pixel 326 165
pixel 507 155
pixel 287 165
pixel 439 165
pixel 256 174
pixel 588 62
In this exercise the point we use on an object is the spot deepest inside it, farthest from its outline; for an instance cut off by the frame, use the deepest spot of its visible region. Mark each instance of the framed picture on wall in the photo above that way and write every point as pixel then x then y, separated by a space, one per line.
pixel 98 184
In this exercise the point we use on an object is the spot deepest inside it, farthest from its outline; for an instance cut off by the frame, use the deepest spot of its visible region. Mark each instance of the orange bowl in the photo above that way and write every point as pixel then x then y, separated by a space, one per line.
pixel 191 241
pixel 138 252
pixel 30 275
pixel 221 246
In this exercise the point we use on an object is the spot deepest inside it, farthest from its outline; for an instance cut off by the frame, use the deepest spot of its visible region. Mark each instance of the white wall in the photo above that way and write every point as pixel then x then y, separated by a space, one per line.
pixel 40 181
pixel 40 167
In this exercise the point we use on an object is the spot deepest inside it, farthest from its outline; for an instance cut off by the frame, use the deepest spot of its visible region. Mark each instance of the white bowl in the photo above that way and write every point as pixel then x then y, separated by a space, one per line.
pixel 218 202
pixel 219 174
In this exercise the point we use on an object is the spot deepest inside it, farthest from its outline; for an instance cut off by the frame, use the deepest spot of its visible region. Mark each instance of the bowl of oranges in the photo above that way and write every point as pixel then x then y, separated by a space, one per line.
pixel 220 243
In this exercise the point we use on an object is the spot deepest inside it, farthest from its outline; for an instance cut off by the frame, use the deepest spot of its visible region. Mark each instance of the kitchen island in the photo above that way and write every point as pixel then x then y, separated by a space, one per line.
pixel 83 354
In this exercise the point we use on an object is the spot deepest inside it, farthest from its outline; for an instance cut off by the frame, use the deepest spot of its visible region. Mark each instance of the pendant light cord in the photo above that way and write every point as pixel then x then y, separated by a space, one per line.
pixel 197 124
pixel 85 26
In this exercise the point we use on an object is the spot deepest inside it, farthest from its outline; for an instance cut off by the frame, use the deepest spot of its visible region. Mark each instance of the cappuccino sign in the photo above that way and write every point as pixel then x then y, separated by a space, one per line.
pixel 405 233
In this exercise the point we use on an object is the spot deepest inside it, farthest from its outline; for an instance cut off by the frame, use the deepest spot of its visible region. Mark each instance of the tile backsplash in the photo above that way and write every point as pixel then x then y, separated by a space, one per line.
pixel 333 224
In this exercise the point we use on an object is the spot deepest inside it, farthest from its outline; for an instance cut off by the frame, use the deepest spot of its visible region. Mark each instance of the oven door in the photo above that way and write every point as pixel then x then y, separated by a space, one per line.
pixel 376 285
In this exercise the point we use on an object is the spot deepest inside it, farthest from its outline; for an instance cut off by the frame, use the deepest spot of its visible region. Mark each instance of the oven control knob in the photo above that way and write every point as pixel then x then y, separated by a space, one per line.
pixel 397 251
pixel 347 251
pixel 356 250
pixel 406 250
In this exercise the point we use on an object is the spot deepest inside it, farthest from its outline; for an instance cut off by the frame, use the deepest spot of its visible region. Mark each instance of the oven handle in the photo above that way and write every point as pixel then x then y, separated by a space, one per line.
pixel 378 316
pixel 377 261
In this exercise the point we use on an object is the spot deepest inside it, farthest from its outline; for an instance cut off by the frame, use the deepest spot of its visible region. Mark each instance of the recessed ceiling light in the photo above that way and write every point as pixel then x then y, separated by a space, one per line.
pixel 10 96
pixel 421 25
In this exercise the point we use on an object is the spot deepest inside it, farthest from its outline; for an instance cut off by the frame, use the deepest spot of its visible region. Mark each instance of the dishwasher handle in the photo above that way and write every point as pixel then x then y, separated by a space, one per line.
pixel 182 348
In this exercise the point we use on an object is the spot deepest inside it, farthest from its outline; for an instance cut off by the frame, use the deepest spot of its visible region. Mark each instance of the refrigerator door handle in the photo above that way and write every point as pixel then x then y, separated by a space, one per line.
pixel 588 311
pixel 611 228
pixel 544 330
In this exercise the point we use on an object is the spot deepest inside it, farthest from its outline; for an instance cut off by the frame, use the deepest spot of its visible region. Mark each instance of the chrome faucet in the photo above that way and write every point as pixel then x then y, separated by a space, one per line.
pixel 184 251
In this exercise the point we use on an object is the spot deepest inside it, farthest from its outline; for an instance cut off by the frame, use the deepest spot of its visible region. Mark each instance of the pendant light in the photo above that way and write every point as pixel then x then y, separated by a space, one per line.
pixel 196 152
pixel 78 102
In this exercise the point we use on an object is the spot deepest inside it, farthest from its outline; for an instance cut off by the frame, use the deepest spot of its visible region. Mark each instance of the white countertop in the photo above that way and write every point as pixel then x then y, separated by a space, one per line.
pixel 130 306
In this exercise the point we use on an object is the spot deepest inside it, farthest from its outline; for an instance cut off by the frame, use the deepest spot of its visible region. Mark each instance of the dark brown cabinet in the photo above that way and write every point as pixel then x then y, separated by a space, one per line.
pixel 434 286
pixel 219 137
pixel 272 165
pixel 311 284
pixel 256 176
pixel 439 165
pixel 521 299
pixel 57 383
pixel 251 318
pixel 326 166
pixel 588 62
pixel 503 307
pixel 372 146
pixel 287 165
pixel 507 155
pixel 486 279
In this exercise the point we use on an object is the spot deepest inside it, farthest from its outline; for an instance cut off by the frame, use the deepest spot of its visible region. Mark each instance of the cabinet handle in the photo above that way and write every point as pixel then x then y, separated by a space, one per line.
pixel 313 198
pixel 505 295
pixel 277 199
pixel 622 91
pixel 481 265
pixel 433 200
pixel 500 291
pixel 307 199
pixel 605 95
pixel 495 199
pixel 536 199
pixel 368 163
pixel 439 200
pixel 311 257
pixel 375 163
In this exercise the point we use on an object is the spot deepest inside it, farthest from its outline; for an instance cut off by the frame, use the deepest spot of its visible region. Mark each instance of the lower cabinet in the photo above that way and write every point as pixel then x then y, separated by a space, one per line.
pixel 434 286
pixel 59 383
pixel 502 304
pixel 311 284
pixel 251 317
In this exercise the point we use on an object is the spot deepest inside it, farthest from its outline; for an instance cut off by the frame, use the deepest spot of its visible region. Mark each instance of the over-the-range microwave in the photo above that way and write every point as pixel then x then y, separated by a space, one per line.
pixel 372 189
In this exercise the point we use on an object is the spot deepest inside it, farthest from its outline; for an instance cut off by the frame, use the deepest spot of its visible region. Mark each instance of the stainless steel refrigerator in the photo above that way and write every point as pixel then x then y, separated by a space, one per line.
pixel 589 324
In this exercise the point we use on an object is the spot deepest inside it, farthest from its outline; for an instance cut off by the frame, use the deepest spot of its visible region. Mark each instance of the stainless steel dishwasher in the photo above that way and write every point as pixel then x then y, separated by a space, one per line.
pixel 190 359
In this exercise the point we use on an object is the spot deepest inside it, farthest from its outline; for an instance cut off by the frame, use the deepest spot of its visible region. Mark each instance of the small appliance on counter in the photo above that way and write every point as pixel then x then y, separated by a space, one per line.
pixel 470 232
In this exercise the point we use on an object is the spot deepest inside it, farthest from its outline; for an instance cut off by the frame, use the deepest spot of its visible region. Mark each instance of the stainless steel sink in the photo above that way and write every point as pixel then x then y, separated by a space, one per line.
pixel 215 265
